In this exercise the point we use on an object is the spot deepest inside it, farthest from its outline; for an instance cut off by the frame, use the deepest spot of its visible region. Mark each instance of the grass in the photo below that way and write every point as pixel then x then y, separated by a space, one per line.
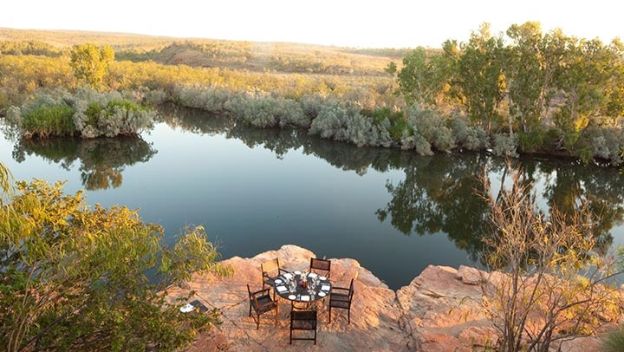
pixel 239 55
pixel 51 120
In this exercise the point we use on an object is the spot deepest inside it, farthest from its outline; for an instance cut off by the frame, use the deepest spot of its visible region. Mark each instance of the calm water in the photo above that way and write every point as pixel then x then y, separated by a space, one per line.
pixel 255 190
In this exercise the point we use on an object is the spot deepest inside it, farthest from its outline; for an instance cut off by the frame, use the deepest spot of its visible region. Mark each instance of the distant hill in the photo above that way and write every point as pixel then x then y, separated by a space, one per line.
pixel 253 56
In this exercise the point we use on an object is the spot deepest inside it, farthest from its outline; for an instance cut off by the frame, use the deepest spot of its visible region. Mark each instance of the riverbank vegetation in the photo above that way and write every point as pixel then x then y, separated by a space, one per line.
pixel 521 92
pixel 76 277
pixel 548 93
pixel 87 114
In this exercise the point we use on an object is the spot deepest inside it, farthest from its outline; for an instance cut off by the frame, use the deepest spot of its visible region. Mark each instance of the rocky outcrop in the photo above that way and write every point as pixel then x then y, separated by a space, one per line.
pixel 440 310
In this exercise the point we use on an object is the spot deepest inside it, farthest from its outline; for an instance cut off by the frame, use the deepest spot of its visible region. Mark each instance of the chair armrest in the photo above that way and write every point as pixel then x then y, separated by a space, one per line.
pixel 280 270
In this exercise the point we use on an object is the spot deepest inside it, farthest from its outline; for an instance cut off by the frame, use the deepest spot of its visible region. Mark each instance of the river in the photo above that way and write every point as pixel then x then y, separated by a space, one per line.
pixel 257 189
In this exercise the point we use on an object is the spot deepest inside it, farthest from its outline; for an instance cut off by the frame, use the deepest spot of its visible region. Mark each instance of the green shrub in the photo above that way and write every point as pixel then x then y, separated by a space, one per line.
pixel 52 120
pixel 86 113
pixel 553 139
pixel 531 141
pixel 506 145
pixel 614 341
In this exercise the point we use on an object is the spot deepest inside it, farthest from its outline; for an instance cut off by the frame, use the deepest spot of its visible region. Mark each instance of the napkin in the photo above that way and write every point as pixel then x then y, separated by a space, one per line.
pixel 305 298
pixel 325 287
pixel 281 289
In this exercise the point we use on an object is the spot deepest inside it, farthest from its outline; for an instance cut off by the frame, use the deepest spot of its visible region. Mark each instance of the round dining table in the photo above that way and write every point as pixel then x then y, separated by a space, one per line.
pixel 302 287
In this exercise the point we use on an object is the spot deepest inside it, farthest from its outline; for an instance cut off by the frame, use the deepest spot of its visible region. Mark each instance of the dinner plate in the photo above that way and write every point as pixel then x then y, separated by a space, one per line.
pixel 187 308
pixel 292 297
pixel 312 274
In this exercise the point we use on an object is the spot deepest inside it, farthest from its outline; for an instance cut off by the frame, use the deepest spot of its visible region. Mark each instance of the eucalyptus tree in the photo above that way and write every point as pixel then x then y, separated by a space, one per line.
pixel 530 66
pixel 481 77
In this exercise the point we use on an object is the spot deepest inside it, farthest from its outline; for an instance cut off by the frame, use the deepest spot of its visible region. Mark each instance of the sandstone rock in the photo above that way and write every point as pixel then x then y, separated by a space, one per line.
pixel 440 310
pixel 374 314
pixel 470 276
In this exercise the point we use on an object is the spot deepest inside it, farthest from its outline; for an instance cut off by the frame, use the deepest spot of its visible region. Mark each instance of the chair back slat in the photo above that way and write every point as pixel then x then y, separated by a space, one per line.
pixel 320 264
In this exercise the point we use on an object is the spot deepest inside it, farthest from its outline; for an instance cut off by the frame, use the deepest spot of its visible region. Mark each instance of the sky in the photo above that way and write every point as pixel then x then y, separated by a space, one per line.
pixel 363 23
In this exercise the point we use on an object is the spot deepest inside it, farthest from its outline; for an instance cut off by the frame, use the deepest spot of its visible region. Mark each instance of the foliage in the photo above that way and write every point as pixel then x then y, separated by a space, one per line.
pixel 90 63
pixel 614 341
pixel 554 284
pixel 29 47
pixel 505 145
pixel 87 113
pixel 267 111
pixel 77 278
pixel 526 82
pixel 466 136
pixel 432 127
pixel 49 120
pixel 342 123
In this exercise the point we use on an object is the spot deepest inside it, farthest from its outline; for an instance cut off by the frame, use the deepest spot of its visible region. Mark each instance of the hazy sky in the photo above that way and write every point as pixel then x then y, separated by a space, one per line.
pixel 381 23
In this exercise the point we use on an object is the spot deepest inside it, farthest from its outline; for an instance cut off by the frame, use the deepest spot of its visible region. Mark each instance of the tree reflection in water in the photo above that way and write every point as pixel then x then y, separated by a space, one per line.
pixel 102 160
pixel 440 193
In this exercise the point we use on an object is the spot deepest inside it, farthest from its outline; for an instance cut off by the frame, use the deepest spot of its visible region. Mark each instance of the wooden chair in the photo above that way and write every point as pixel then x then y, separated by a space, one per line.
pixel 320 266
pixel 341 297
pixel 270 271
pixel 303 320
pixel 261 302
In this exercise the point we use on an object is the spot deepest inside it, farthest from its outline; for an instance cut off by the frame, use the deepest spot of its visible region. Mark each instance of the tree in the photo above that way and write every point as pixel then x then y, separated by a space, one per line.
pixel 553 285
pixel 80 278
pixel 481 77
pixel 425 77
pixel 532 59
pixel 391 68
pixel 584 72
pixel 90 63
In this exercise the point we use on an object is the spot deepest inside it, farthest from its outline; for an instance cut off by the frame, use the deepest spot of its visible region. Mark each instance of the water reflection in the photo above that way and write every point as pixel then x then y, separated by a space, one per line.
pixel 439 194
pixel 102 160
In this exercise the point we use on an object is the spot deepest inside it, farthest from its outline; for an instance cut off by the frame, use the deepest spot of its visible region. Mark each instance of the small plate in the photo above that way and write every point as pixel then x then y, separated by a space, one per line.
pixel 323 278
pixel 292 297
pixel 187 308
pixel 312 275
pixel 322 294
pixel 278 281
pixel 297 272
